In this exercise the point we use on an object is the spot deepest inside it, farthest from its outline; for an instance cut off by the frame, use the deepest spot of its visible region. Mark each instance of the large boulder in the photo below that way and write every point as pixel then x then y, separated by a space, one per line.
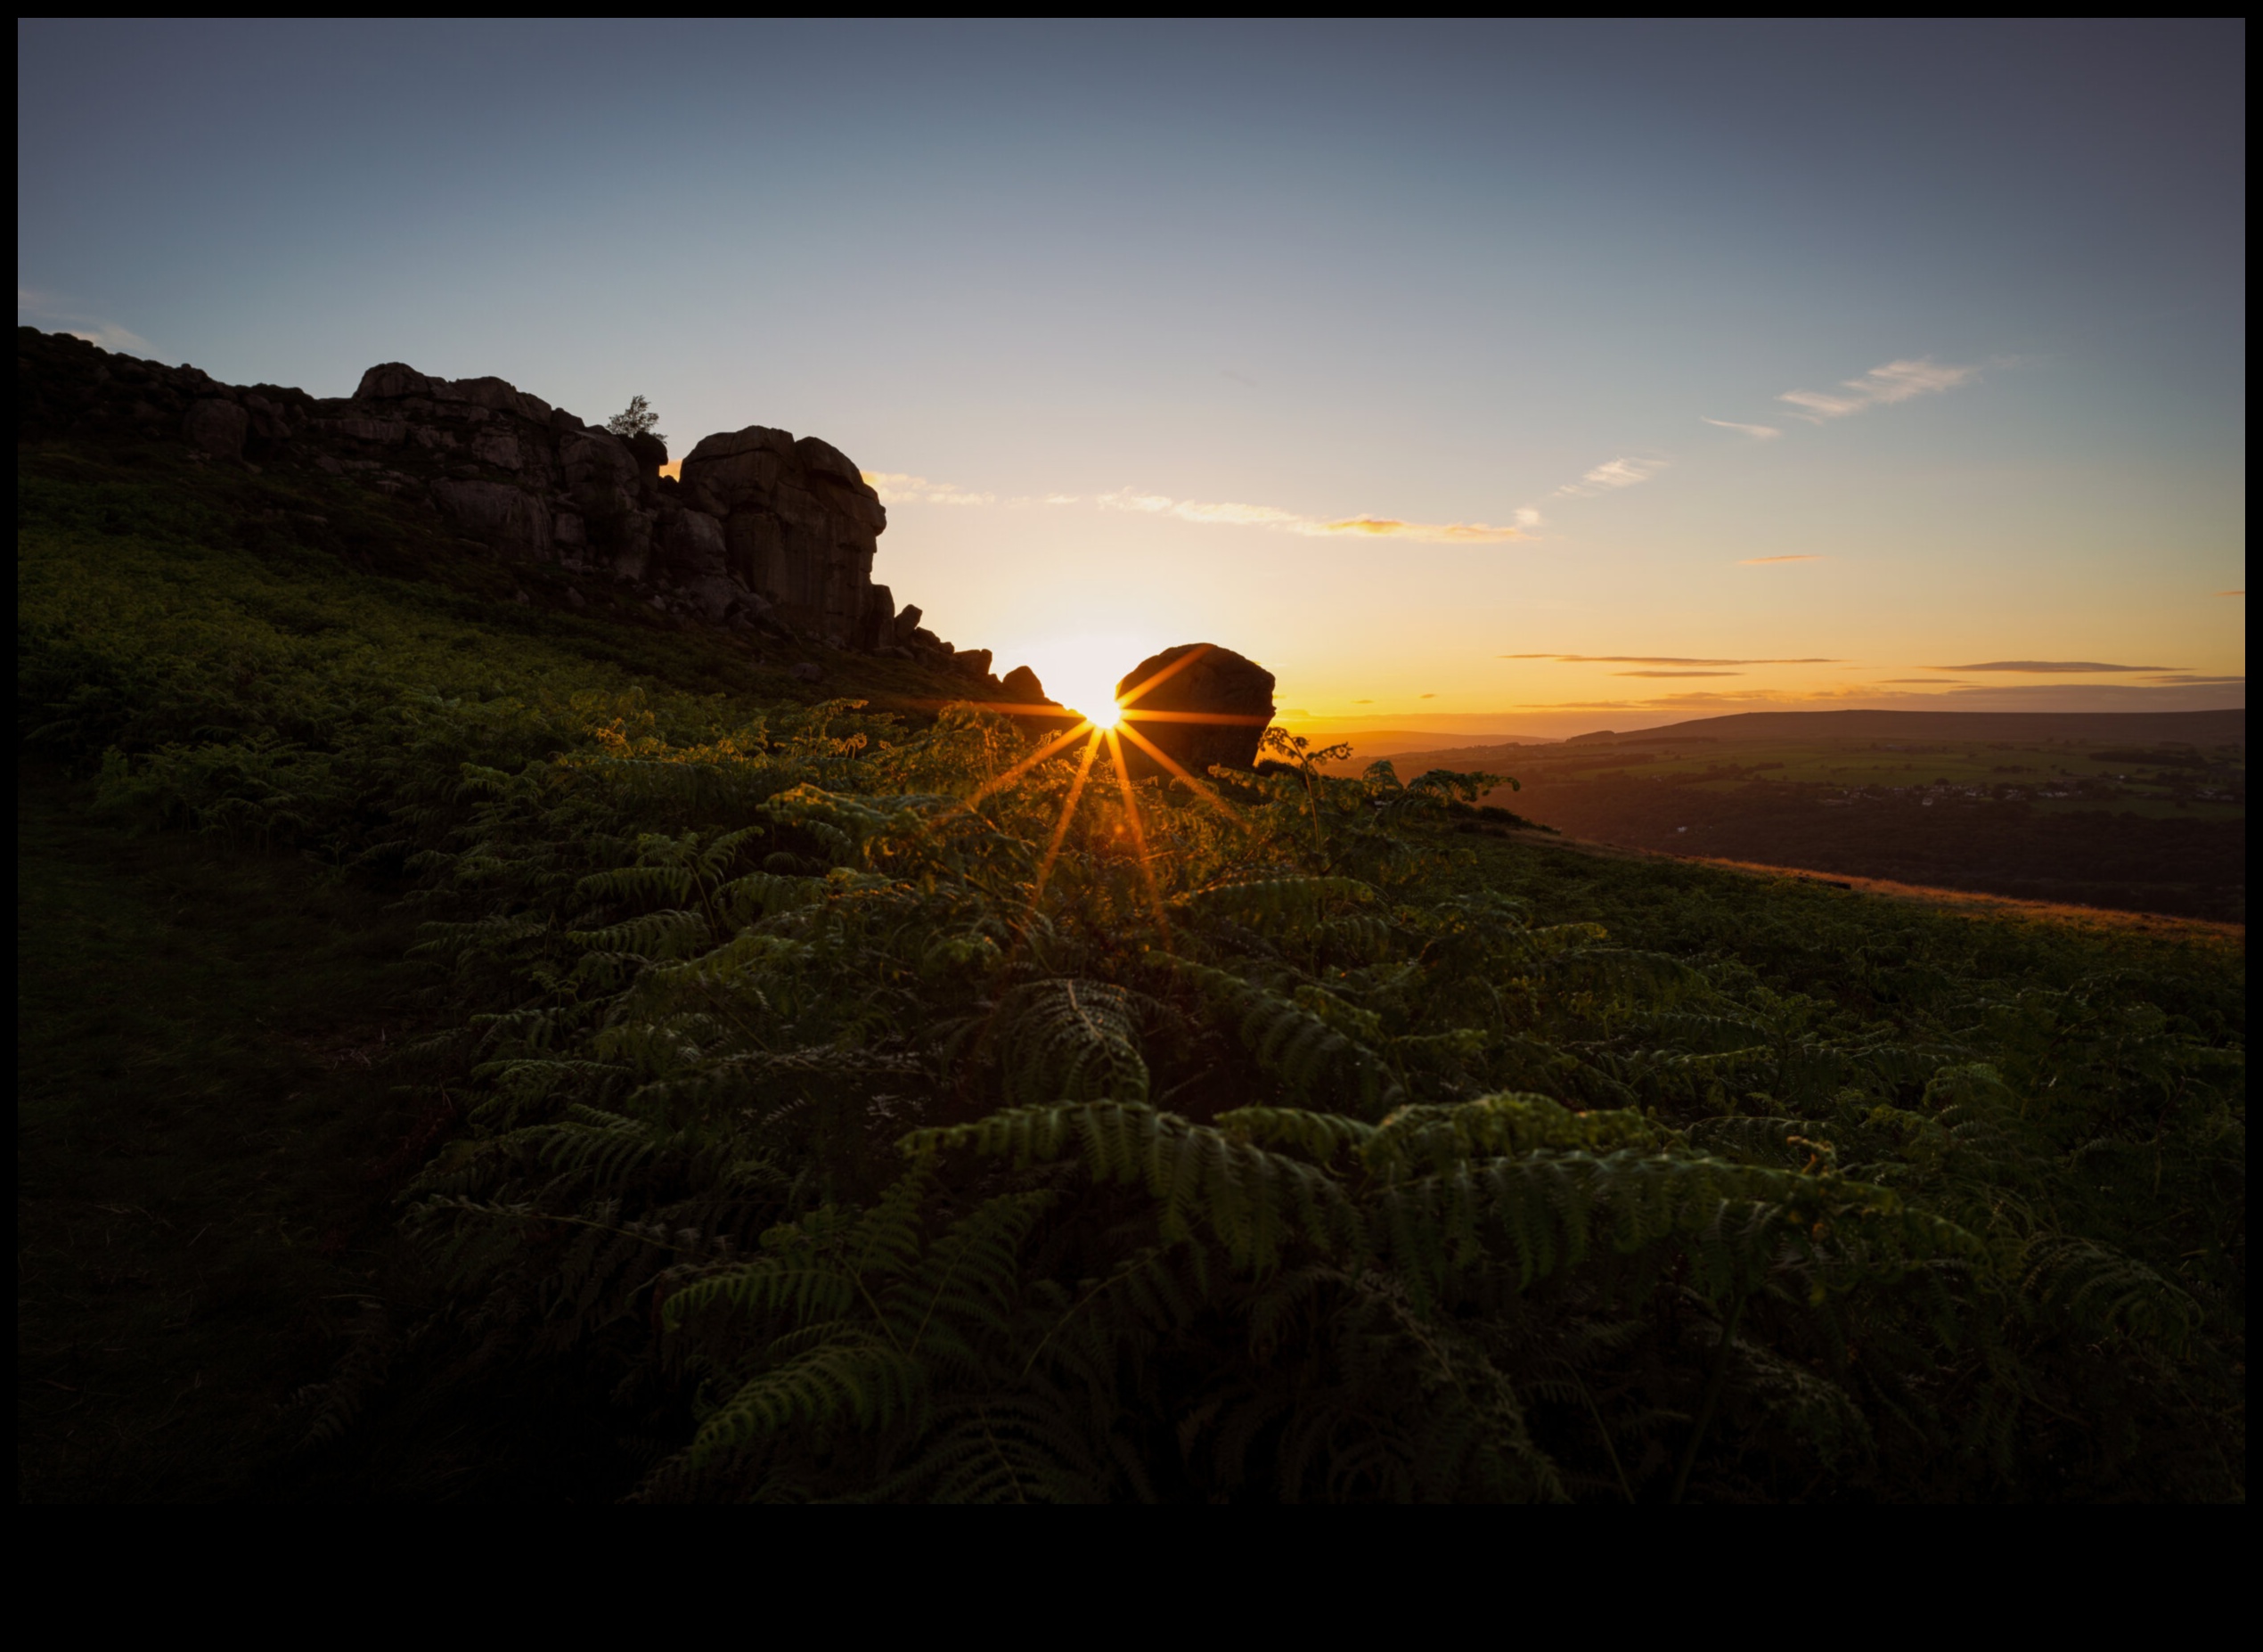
pixel 389 381
pixel 495 394
pixel 594 457
pixel 1199 703
pixel 799 525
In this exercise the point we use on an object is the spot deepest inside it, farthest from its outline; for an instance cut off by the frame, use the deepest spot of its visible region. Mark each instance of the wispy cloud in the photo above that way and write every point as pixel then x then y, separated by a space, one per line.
pixel 2050 667
pixel 52 308
pixel 2190 692
pixel 897 488
pixel 1693 698
pixel 1763 561
pixel 1736 699
pixel 111 336
pixel 2186 679
pixel 1758 433
pixel 2241 591
pixel 1677 673
pixel 1663 659
pixel 1896 381
pixel 1428 533
pixel 1132 499
pixel 1198 510
pixel 894 488
pixel 1235 515
pixel 1612 475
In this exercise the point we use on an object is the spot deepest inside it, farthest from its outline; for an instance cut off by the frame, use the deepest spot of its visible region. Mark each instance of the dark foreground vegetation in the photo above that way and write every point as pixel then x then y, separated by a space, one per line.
pixel 476 1050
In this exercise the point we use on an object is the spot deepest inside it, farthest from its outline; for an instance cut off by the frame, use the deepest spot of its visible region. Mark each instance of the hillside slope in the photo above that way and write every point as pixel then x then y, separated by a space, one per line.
pixel 785 1099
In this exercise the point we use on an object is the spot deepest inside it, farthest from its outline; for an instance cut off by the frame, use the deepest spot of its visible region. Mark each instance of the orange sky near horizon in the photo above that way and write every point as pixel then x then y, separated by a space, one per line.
pixel 1555 630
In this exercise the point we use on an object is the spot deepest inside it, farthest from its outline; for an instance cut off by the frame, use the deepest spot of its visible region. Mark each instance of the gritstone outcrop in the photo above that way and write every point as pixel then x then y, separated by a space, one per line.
pixel 762 531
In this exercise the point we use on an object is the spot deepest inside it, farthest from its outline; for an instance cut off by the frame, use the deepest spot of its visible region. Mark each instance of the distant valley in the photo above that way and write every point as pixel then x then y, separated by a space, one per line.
pixel 2143 812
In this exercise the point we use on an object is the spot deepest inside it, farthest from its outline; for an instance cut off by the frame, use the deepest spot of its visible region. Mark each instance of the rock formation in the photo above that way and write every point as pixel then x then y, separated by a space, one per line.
pixel 1200 703
pixel 761 532
pixel 796 522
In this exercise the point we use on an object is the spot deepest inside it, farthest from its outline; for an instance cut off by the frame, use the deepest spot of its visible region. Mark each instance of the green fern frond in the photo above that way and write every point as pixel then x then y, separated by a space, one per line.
pixel 1253 1201
pixel 1318 1135
pixel 854 1373
pixel 679 934
pixel 1753 1140
pixel 1310 1057
pixel 2097 1290
pixel 1300 899
pixel 1073 1040
pixel 763 894
pixel 1432 1138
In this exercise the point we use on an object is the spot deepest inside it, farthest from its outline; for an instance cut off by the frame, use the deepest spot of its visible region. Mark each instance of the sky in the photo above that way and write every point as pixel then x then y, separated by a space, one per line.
pixel 1511 377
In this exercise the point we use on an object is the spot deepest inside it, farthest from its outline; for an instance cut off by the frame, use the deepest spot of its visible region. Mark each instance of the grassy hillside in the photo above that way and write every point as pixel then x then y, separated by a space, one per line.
pixel 482 1048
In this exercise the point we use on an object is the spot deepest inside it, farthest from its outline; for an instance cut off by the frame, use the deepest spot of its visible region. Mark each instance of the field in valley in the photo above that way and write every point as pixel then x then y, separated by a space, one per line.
pixel 2146 818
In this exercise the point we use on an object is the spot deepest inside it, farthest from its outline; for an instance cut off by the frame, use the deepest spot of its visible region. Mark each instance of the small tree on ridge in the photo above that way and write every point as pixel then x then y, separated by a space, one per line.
pixel 637 419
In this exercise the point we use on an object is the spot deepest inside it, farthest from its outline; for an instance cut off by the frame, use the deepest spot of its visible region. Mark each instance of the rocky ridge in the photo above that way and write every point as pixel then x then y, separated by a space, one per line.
pixel 761 531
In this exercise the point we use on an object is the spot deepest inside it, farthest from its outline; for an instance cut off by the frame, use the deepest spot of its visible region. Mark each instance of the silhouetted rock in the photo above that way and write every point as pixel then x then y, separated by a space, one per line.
pixel 762 530
pixel 389 379
pixel 594 458
pixel 1200 703
pixel 800 524
pixel 1021 683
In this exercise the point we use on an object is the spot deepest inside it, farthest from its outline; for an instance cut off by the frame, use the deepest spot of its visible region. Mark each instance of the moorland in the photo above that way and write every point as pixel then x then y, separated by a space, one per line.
pixel 486 1036
pixel 2134 812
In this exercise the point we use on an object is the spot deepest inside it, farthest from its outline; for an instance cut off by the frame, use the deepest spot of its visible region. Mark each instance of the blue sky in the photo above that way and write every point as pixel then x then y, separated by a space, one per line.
pixel 1413 330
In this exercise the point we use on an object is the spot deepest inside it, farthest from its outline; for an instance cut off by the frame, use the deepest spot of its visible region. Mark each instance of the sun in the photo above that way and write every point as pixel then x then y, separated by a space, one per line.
pixel 1104 726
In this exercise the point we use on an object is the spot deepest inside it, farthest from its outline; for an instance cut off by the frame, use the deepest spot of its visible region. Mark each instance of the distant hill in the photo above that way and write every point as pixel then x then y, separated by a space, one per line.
pixel 1368 744
pixel 1413 752
pixel 2199 728
pixel 2143 811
